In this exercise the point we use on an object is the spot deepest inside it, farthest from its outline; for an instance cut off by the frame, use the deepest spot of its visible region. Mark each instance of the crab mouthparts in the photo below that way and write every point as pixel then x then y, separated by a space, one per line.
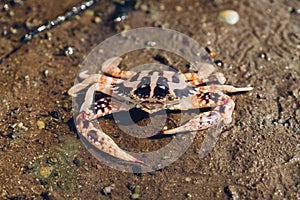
pixel 151 106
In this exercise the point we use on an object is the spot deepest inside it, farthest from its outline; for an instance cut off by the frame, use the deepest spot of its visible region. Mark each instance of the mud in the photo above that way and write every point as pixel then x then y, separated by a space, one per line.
pixel 257 156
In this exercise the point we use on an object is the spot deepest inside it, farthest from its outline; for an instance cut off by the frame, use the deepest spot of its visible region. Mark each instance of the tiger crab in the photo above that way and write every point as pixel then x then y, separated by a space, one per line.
pixel 151 91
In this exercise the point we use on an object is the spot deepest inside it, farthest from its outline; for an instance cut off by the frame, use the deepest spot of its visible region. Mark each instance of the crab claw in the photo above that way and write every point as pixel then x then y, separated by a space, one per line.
pixel 201 122
pixel 100 140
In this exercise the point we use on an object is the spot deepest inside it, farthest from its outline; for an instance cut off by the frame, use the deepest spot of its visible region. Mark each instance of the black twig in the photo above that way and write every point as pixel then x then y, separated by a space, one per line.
pixel 58 20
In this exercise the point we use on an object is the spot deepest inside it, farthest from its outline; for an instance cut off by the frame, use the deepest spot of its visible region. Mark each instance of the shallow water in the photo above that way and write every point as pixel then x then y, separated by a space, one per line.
pixel 257 155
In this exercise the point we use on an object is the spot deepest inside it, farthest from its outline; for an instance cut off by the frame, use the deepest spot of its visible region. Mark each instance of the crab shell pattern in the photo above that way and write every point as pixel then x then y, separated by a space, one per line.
pixel 151 91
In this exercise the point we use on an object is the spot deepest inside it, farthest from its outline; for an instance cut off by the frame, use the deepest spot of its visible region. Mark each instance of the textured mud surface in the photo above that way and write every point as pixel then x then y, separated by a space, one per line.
pixel 257 155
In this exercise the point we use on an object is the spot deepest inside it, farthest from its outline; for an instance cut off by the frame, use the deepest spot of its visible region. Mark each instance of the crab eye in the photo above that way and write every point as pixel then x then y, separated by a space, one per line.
pixel 171 98
pixel 131 96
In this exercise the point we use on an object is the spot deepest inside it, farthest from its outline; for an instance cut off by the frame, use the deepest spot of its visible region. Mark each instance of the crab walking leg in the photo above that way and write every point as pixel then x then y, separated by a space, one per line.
pixel 208 97
pixel 104 83
pixel 200 122
pixel 100 140
pixel 225 88
pixel 110 67
pixel 198 79
pixel 207 119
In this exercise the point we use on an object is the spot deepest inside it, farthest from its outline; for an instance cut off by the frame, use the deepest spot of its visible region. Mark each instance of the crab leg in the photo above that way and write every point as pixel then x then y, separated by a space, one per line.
pixel 208 97
pixel 110 67
pixel 201 122
pixel 103 83
pixel 198 79
pixel 99 139
pixel 104 106
pixel 225 88
pixel 223 104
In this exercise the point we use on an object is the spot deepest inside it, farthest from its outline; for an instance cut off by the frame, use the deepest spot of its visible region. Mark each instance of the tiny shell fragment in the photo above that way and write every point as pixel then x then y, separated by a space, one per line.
pixel 228 16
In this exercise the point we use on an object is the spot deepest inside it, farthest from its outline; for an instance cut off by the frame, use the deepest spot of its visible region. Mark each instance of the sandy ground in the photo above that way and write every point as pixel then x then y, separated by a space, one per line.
pixel 257 156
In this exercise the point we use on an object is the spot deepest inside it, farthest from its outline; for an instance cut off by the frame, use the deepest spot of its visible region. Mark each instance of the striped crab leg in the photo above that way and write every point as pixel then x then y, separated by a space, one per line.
pixel 208 97
pixel 111 68
pixel 104 83
pixel 198 79
pixel 205 74
pixel 100 140
pixel 90 111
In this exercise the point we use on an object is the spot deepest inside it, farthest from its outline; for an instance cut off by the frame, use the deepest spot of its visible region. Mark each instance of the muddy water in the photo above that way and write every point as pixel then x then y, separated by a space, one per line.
pixel 257 155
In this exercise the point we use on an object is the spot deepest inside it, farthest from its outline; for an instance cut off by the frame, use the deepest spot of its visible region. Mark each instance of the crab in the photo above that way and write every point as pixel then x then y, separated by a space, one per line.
pixel 151 91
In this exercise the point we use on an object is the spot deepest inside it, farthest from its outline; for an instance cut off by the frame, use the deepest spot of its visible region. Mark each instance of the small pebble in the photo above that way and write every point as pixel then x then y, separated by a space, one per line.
pixel 262 55
pixel 26 77
pixel 187 179
pixel 233 191
pixel 13 30
pixel 48 36
pixel 5 7
pixel 189 195
pixel 45 172
pixel 281 121
pixel 11 13
pixel 90 13
pixel 107 190
pixel 5 32
pixel 137 189
pixel 98 166
pixel 135 196
pixel 178 8
pixel 219 63
pixel 46 72
pixel 68 51
pixel 97 20
pixel 144 7
pixel 21 126
pixel 228 16
pixel 242 68
pixel 40 124
pixel 120 18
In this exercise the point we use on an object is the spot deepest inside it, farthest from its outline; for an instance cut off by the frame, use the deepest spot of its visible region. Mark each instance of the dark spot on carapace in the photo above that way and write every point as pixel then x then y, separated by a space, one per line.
pixel 143 91
pixel 161 91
